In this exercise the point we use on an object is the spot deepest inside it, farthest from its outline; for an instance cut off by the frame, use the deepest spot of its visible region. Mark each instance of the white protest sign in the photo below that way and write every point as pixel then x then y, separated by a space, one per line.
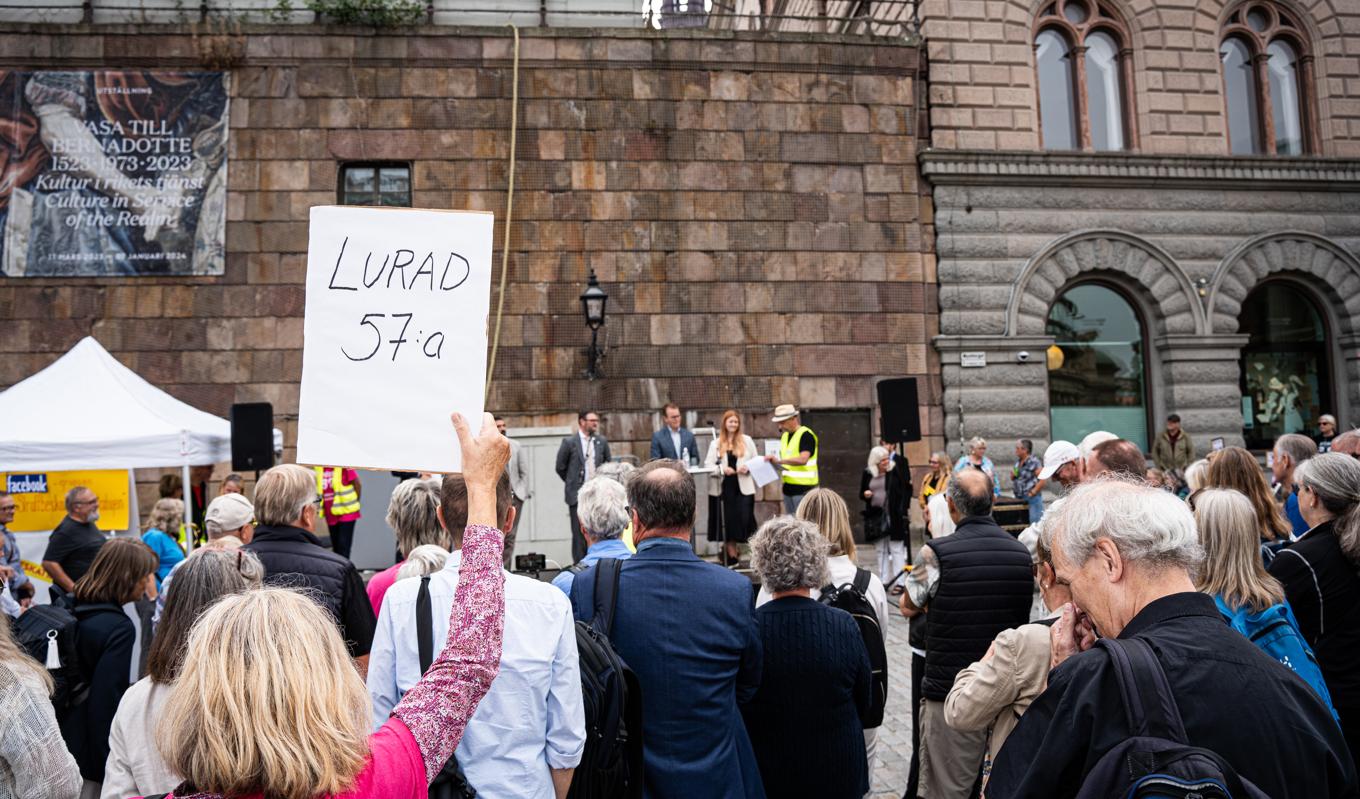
pixel 394 337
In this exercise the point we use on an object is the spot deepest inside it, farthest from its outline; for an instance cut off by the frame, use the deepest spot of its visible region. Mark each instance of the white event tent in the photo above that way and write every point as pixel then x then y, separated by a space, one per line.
pixel 89 411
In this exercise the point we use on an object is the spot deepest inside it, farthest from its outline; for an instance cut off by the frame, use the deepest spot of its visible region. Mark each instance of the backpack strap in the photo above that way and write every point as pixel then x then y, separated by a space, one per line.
pixel 607 571
pixel 425 625
pixel 861 583
pixel 1149 705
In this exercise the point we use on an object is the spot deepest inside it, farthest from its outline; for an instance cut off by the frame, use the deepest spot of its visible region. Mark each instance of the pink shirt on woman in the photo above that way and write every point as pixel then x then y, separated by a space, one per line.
pixel 426 725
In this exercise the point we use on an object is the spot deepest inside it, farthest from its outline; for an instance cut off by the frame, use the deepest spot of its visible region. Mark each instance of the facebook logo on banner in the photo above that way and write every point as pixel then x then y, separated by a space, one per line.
pixel 26 484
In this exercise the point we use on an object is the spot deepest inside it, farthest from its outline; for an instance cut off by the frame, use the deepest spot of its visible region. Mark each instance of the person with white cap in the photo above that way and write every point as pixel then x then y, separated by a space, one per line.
pixel 797 455
pixel 1063 461
pixel 230 524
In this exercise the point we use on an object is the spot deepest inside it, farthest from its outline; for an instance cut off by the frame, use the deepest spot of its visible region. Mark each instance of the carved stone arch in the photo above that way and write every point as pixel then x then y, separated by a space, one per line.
pixel 1336 271
pixel 1168 289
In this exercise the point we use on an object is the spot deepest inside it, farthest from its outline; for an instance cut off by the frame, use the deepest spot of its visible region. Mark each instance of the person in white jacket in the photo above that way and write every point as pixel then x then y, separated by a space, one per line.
pixel 732 490
pixel 135 766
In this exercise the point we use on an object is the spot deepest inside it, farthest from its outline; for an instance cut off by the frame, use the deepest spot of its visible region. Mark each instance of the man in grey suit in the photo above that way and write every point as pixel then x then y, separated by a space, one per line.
pixel 576 461
pixel 673 441
pixel 518 469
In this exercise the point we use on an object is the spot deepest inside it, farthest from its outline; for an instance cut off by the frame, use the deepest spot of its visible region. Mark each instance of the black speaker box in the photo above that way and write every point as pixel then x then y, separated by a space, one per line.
pixel 901 412
pixel 252 436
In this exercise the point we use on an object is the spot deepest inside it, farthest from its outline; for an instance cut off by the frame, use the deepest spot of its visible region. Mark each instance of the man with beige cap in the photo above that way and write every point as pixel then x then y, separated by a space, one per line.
pixel 797 456
pixel 230 524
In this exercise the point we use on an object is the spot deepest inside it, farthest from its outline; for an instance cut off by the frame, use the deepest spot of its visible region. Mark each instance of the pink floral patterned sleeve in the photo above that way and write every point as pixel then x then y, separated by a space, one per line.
pixel 438 708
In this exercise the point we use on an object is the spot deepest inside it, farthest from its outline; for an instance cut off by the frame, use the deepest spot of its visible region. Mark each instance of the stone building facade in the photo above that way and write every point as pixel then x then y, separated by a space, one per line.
pixel 749 201
pixel 1176 255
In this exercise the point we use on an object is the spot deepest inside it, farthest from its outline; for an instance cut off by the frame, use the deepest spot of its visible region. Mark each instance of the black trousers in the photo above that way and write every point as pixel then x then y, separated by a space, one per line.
pixel 918 676
pixel 342 537
pixel 578 541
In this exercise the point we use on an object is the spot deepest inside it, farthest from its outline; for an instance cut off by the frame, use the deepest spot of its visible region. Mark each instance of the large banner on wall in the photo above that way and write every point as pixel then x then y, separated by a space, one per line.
pixel 112 173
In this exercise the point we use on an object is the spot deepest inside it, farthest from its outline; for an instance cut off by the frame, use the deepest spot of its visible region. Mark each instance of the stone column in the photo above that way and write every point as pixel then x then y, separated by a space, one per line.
pixel 1200 380
pixel 1003 401
pixel 1346 379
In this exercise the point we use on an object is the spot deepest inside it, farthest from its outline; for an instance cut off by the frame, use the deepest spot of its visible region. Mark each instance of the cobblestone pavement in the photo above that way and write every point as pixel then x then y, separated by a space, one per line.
pixel 893 757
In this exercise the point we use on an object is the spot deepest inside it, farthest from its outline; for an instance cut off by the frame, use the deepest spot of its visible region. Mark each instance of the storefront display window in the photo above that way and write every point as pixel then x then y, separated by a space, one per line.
pixel 1096 366
pixel 1286 383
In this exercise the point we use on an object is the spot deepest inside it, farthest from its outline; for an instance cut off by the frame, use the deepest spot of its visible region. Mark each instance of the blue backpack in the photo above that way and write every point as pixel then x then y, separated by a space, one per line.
pixel 1275 631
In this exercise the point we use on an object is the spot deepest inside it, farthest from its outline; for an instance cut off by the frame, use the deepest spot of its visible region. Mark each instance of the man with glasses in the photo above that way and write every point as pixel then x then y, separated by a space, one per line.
pixel 577 458
pixel 20 587
pixel 76 541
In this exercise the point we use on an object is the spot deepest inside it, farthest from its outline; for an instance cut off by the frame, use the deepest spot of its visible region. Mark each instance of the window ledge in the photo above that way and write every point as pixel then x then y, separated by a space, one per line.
pixel 970 167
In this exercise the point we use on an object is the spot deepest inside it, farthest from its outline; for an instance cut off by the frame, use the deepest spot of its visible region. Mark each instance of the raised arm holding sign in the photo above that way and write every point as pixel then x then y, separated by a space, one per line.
pixel 394 334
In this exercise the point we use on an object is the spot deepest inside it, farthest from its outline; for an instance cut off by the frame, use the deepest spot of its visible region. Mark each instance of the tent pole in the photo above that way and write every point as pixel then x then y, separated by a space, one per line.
pixel 188 512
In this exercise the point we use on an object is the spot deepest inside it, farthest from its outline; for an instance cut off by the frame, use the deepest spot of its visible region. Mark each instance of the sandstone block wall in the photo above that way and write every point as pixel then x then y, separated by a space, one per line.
pixel 750 202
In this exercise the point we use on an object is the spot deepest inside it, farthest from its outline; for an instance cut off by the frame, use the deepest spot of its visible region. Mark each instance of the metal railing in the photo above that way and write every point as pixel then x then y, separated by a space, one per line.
pixel 880 18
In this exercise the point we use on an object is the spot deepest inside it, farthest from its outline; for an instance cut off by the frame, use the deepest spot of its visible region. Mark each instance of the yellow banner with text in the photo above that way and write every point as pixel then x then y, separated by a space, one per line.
pixel 40 497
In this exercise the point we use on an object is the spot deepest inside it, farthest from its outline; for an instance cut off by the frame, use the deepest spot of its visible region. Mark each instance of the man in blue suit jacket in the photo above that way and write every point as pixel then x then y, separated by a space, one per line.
pixel 686 628
pixel 672 440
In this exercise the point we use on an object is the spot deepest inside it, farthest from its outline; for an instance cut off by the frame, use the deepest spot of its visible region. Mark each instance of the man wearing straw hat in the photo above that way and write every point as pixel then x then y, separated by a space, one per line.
pixel 797 455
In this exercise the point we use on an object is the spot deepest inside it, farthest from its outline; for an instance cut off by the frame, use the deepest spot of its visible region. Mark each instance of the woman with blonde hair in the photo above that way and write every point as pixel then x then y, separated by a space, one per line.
pixel 268 701
pixel 732 486
pixel 1196 475
pixel 976 457
pixel 166 515
pixel 135 766
pixel 937 479
pixel 1237 469
pixel 1249 599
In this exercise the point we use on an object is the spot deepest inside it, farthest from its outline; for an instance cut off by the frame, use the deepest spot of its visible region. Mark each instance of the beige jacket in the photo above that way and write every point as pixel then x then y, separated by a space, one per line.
pixel 135 766
pixel 995 691
pixel 745 481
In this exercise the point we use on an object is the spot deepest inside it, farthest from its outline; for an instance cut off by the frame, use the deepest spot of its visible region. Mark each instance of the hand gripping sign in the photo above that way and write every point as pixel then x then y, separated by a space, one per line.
pixel 394 336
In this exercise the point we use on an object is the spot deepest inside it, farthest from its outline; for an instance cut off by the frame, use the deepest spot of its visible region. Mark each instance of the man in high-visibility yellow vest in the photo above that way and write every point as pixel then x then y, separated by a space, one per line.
pixel 797 455
pixel 339 491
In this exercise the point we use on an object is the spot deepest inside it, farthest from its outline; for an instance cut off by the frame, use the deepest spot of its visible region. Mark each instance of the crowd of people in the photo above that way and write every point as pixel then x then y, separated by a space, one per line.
pixel 1231 608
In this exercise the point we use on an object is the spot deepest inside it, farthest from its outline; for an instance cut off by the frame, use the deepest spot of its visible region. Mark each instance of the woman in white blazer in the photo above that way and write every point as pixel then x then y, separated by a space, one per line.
pixel 735 519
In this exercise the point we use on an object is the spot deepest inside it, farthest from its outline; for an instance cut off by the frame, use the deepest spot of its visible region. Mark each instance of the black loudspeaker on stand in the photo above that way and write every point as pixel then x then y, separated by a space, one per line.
pixel 252 436
pixel 901 411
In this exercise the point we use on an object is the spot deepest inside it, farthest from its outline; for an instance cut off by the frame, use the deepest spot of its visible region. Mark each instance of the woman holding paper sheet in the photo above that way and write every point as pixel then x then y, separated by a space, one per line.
pixel 733 486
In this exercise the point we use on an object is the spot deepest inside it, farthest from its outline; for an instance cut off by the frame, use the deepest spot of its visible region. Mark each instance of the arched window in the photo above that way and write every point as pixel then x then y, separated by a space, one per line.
pixel 1286 379
pixel 1096 366
pixel 1084 68
pixel 1267 80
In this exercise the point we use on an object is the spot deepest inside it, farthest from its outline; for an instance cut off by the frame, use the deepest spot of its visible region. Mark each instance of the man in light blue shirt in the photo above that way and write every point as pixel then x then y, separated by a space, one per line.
pixel 528 733
pixel 602 507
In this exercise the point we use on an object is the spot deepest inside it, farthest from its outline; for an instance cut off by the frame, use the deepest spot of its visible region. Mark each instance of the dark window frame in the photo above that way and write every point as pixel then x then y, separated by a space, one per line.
pixel 1327 388
pixel 376 166
pixel 1145 342
pixel 1100 17
pixel 1282 25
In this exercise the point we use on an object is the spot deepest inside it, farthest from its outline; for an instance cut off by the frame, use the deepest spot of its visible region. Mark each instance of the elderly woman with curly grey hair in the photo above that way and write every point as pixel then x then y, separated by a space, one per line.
pixel 815 667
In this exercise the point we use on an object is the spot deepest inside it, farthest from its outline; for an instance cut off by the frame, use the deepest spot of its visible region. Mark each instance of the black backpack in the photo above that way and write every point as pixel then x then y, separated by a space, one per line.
pixel 450 782
pixel 611 765
pixel 48 634
pixel 853 598
pixel 1157 761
